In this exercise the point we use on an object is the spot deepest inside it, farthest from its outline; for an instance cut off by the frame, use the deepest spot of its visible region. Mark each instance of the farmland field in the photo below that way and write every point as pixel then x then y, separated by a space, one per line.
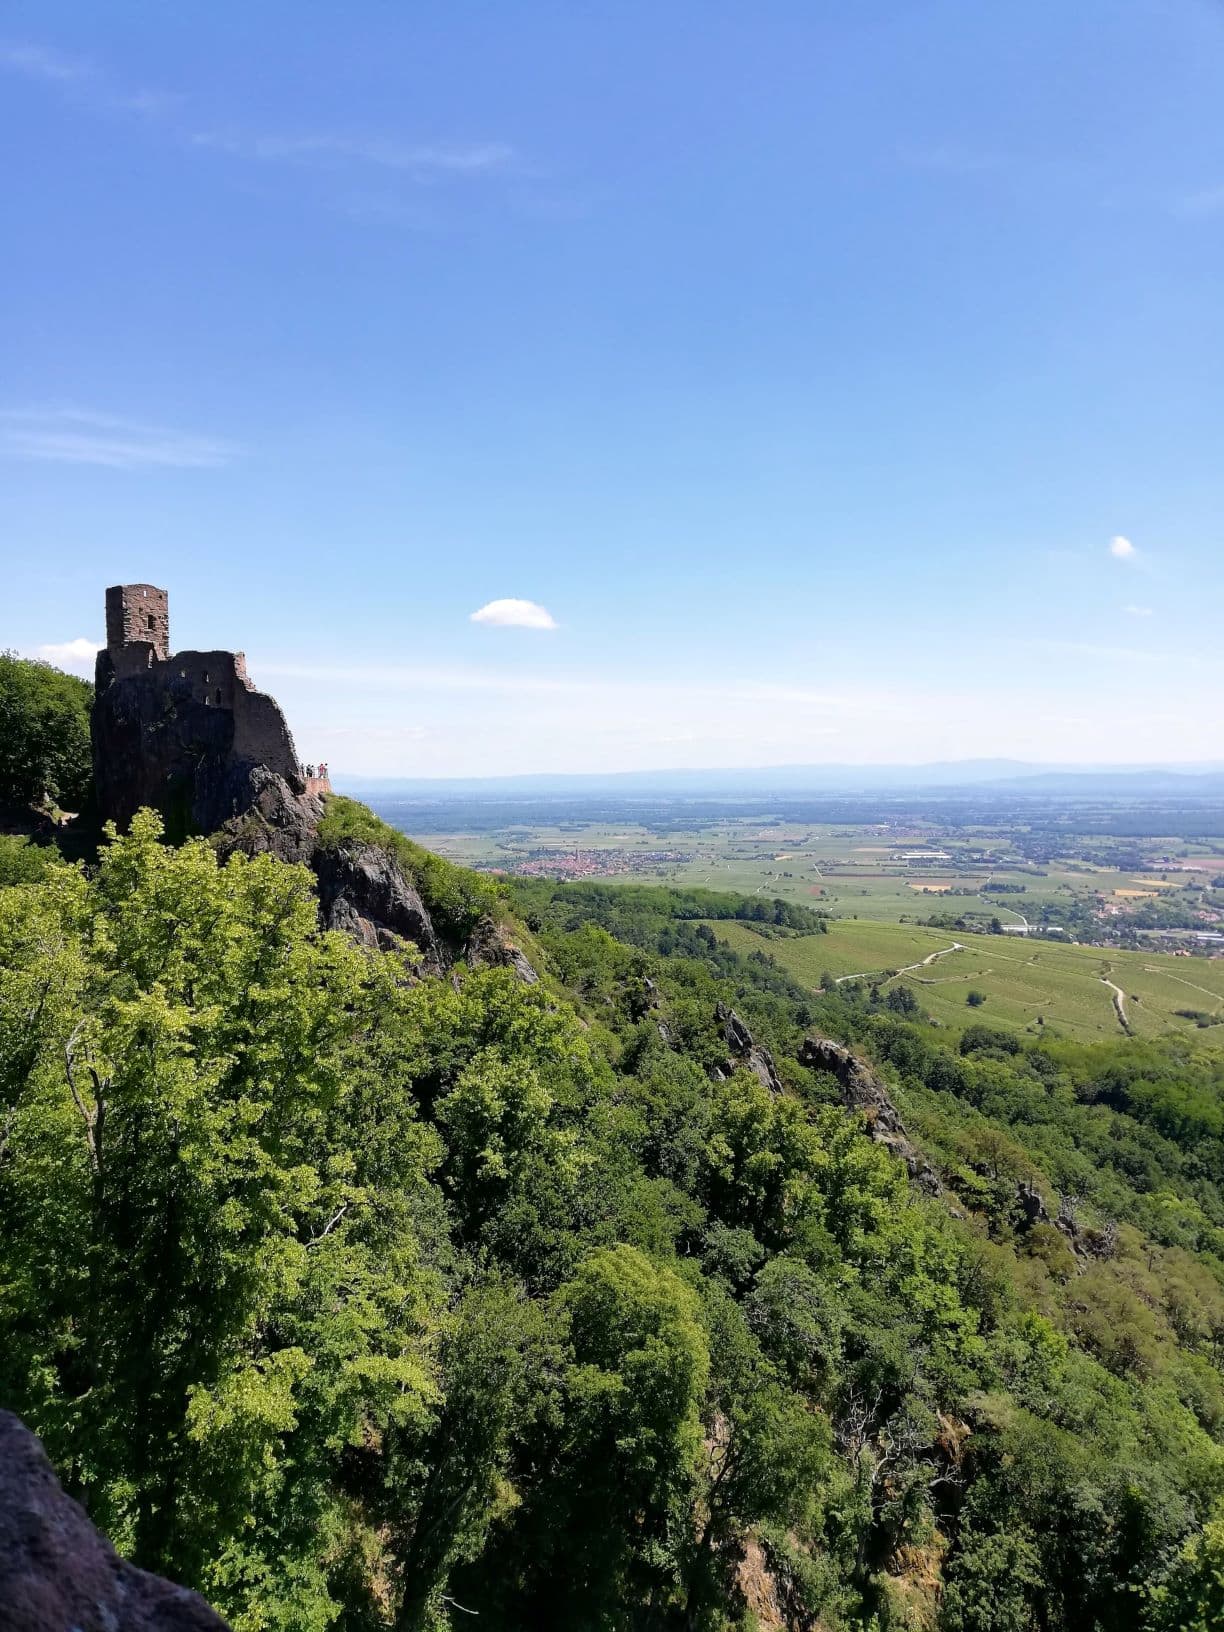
pixel 1032 986
pixel 1113 888
pixel 882 871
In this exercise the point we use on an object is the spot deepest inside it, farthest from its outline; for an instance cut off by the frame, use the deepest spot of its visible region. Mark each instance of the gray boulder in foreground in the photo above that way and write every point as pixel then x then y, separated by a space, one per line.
pixel 57 1574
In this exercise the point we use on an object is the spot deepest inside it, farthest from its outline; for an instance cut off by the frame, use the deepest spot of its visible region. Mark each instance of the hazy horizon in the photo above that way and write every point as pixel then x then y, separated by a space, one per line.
pixel 899 775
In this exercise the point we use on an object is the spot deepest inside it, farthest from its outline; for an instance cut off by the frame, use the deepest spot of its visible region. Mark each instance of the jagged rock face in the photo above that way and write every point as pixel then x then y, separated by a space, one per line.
pixel 490 946
pixel 745 1053
pixel 187 736
pixel 862 1090
pixel 278 821
pixel 363 892
pixel 1033 1209
pixel 1084 1242
pixel 57 1574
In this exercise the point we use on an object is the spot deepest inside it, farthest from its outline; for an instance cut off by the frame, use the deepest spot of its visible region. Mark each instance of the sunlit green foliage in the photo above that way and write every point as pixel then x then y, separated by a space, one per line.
pixel 44 735
pixel 363 1300
pixel 23 862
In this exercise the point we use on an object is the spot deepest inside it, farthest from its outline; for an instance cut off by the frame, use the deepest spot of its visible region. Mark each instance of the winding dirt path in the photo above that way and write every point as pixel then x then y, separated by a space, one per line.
pixel 997 906
pixel 1119 1003
pixel 867 974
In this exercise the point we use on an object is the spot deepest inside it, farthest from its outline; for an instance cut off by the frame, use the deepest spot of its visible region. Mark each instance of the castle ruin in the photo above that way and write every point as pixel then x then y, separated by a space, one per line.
pixel 185 732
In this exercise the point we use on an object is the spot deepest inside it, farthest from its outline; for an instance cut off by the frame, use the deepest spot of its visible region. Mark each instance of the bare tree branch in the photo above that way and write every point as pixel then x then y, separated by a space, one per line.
pixel 314 1241
pixel 94 1117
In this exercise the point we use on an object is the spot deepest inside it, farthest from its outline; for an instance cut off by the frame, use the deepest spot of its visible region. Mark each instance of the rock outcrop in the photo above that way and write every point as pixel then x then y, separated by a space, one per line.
pixel 363 891
pixel 491 946
pixel 862 1090
pixel 57 1574
pixel 278 821
pixel 1086 1241
pixel 746 1054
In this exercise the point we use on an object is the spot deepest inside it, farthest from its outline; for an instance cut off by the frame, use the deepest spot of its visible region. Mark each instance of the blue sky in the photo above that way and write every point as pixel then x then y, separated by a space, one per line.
pixel 801 360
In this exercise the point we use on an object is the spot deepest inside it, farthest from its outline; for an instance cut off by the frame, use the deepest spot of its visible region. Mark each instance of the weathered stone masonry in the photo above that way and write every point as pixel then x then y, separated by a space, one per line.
pixel 184 731
pixel 138 613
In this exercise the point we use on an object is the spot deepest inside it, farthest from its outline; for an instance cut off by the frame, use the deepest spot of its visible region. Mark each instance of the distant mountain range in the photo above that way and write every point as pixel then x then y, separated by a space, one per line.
pixel 1195 781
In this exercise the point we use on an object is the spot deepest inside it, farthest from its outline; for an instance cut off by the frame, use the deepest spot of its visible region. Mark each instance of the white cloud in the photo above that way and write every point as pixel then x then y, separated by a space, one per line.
pixel 1138 611
pixel 423 161
pixel 1122 549
pixel 68 436
pixel 514 614
pixel 78 654
pixel 37 62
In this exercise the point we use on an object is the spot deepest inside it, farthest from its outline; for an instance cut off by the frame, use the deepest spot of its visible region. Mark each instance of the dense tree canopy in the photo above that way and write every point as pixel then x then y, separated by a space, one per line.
pixel 358 1300
pixel 44 735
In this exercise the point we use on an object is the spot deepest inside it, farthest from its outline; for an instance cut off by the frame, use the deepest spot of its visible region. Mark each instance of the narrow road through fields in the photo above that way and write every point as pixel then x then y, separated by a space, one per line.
pixel 997 906
pixel 867 974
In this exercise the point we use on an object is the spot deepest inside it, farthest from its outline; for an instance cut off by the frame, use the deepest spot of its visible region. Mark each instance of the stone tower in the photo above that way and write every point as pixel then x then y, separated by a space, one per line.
pixel 138 613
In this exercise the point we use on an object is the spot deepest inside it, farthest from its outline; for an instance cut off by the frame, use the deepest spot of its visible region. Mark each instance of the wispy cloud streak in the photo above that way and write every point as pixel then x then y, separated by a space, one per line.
pixel 422 161
pixel 37 62
pixel 78 80
pixel 1207 201
pixel 69 436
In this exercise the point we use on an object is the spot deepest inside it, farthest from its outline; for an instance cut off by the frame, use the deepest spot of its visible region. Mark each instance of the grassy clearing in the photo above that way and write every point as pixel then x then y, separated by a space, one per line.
pixel 1028 985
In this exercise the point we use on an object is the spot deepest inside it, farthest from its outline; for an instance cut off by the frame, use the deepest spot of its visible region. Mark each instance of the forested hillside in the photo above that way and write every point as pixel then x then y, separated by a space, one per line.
pixel 361 1299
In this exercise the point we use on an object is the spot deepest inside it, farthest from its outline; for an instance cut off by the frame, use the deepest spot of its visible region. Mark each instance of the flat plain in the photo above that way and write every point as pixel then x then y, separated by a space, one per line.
pixel 877 870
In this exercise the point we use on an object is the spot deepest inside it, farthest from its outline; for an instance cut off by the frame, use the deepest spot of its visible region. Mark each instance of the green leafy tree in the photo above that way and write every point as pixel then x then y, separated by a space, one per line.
pixel 211 1280
pixel 44 735
pixel 612 1523
pixel 1193 1601
pixel 22 862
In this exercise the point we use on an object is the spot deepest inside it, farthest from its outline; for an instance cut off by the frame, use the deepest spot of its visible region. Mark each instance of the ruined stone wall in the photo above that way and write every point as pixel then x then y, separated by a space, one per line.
pixel 186 733
pixel 262 735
